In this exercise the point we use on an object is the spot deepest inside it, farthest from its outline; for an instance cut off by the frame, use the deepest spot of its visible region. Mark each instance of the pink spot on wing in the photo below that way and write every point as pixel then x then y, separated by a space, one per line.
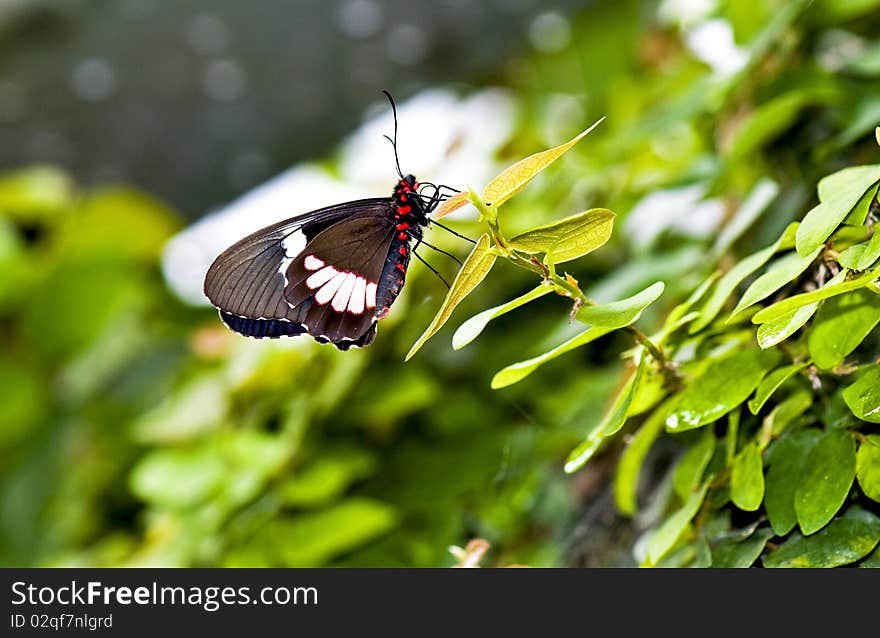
pixel 312 263
pixel 358 296
pixel 321 277
pixel 326 293
pixel 340 300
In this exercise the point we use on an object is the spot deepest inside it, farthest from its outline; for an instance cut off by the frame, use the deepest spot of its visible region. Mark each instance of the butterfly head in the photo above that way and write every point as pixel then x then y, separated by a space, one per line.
pixel 407 184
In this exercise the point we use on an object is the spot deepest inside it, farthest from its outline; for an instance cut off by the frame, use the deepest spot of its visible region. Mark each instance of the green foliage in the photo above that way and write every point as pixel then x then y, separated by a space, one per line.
pixel 789 331
pixel 726 381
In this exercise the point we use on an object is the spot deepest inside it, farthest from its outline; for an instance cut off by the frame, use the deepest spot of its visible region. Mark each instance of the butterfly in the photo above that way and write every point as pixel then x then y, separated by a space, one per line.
pixel 344 280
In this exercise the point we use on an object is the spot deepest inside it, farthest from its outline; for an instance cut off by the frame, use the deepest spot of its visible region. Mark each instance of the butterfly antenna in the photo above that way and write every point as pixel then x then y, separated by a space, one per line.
pixel 449 230
pixel 431 268
pixel 394 141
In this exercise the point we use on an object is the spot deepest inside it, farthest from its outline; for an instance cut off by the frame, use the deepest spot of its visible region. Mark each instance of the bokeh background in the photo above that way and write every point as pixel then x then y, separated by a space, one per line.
pixel 138 138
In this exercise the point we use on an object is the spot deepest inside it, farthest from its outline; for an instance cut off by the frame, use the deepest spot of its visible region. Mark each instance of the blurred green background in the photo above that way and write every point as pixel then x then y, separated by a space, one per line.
pixel 136 430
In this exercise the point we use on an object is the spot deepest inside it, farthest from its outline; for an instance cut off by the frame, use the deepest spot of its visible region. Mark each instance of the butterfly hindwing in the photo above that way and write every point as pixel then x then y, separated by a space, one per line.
pixel 334 281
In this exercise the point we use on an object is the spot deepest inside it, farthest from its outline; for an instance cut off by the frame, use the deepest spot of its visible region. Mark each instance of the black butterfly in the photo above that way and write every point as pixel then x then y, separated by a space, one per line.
pixel 351 270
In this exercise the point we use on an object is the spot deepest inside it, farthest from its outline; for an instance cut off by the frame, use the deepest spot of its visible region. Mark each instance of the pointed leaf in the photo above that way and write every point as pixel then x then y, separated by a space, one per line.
pixel 451 205
pixel 688 474
pixel 838 194
pixel 771 383
pixel 568 238
pixel 626 479
pixel 844 541
pixel 778 330
pixel 861 256
pixel 470 329
pixel 747 478
pixel 868 466
pixel 728 283
pixel 859 214
pixel 828 474
pixel 781 328
pixel 750 210
pixel 610 424
pixel 516 372
pixel 724 385
pixel 841 325
pixel 475 268
pixel 786 458
pixel 781 272
pixel 786 306
pixel 514 178
pixel 737 553
pixel 667 535
pixel 618 314
pixel 786 412
pixel 863 396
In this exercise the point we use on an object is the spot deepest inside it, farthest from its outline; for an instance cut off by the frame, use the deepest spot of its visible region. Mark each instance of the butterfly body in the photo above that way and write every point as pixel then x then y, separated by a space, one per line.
pixel 336 288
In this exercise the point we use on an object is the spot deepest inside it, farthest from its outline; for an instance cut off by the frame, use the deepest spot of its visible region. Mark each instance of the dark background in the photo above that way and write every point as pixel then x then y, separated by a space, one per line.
pixel 198 100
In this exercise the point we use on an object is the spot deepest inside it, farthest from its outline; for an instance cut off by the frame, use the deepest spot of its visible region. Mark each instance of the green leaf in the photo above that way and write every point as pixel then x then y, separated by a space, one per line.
pixel 779 329
pixel 515 177
pixel 841 325
pixel 618 314
pixel 451 205
pixel 311 539
pixel 780 272
pixel 603 319
pixel 724 384
pixel 626 479
pixel 178 478
pixel 119 222
pixel 688 474
pixel 828 474
pixel 471 329
pixel 868 466
pixel 786 306
pixel 567 238
pixel 475 268
pixel 769 120
pixel 863 396
pixel 861 256
pixel 610 424
pixel 680 314
pixel 764 192
pixel 195 408
pixel 845 540
pixel 35 193
pixel 785 459
pixel 838 194
pixel 859 214
pixel 771 383
pixel 747 478
pixel 740 553
pixel 787 411
pixel 665 537
pixel 24 400
pixel 728 283
pixel 516 372
pixel 325 479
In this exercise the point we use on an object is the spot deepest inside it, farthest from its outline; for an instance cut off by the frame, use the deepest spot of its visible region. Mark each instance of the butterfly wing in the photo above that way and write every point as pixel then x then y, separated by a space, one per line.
pixel 247 281
pixel 333 283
